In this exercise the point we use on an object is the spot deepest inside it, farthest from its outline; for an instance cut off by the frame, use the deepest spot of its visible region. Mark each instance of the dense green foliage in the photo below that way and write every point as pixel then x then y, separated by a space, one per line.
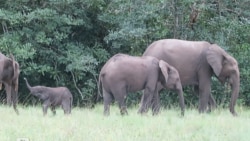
pixel 66 42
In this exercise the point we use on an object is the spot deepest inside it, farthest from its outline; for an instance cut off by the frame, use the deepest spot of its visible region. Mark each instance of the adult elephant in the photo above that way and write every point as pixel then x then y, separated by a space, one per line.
pixel 196 62
pixel 9 73
pixel 123 73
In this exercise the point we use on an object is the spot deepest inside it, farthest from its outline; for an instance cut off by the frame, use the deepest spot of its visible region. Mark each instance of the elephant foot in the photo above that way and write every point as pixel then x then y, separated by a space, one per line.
pixel 211 107
pixel 155 114
pixel 123 111
pixel 207 110
pixel 106 113
pixel 142 111
pixel 155 111
pixel 182 113
pixel 106 110
pixel 17 112
pixel 202 111
pixel 233 113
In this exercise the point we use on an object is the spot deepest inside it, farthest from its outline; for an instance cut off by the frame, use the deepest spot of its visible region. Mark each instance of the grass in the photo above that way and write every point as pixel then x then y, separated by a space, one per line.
pixel 90 125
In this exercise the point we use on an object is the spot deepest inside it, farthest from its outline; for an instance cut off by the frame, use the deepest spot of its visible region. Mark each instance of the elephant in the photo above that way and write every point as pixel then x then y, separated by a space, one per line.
pixel 9 74
pixel 123 73
pixel 52 97
pixel 197 62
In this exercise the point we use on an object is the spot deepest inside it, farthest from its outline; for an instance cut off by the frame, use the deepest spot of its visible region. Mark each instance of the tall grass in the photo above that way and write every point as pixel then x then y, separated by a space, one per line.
pixel 90 125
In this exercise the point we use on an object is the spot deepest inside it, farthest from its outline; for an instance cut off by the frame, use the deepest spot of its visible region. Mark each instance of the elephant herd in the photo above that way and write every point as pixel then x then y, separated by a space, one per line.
pixel 166 63
pixel 171 64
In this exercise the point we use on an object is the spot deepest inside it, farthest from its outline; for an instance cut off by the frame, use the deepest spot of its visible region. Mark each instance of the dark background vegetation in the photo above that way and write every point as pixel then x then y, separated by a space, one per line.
pixel 66 42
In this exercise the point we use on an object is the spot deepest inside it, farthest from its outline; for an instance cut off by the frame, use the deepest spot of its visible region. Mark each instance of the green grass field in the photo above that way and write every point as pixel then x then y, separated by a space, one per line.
pixel 90 125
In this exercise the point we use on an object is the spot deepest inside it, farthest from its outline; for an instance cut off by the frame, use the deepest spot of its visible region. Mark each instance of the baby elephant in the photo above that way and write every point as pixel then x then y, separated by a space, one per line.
pixel 123 74
pixel 52 97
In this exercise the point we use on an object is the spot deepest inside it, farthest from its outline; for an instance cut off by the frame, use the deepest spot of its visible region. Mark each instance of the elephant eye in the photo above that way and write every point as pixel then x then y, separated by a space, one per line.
pixel 169 70
pixel 233 71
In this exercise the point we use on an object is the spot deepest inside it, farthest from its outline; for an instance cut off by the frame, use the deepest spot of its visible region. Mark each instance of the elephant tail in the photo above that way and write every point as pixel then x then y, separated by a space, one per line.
pixel 99 87
pixel 14 95
pixel 15 71
pixel 71 102
pixel 13 64
pixel 13 61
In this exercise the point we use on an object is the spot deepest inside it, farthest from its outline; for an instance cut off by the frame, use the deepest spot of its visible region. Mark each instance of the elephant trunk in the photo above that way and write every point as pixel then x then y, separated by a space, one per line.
pixel 235 85
pixel 181 98
pixel 27 83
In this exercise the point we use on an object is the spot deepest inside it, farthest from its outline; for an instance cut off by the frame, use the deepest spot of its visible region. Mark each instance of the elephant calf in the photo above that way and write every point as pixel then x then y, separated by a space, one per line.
pixel 52 97
pixel 123 73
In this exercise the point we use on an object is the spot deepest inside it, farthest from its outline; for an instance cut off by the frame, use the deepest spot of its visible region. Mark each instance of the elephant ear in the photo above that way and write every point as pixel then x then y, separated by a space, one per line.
pixel 43 96
pixel 215 59
pixel 164 69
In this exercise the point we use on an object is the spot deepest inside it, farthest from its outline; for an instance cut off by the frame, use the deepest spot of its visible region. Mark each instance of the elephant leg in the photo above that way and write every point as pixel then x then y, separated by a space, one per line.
pixel 181 100
pixel 53 109
pixel 1 86
pixel 212 103
pixel 156 104
pixel 146 100
pixel 46 105
pixel 8 93
pixel 14 98
pixel 66 106
pixel 123 107
pixel 107 99
pixel 156 100
pixel 141 109
pixel 204 92
pixel 120 95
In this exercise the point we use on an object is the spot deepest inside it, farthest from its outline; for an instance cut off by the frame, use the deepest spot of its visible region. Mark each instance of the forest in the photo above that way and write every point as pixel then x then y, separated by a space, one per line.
pixel 66 42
